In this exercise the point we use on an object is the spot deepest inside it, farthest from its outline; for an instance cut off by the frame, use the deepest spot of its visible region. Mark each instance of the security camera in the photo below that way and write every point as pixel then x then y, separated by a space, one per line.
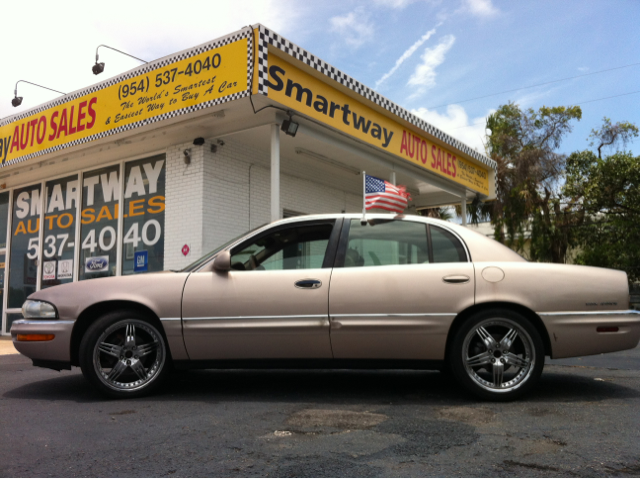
pixel 187 156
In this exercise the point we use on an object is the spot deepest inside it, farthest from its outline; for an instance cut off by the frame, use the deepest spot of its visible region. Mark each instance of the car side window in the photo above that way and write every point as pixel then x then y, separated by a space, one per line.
pixel 298 247
pixel 388 242
pixel 446 247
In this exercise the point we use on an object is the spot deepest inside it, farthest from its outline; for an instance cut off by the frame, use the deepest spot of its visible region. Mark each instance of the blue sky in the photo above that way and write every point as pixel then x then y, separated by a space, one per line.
pixel 422 54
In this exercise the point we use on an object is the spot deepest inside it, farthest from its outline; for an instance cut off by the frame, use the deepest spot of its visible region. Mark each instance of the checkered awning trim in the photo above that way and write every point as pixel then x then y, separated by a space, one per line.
pixel 144 69
pixel 269 37
pixel 130 126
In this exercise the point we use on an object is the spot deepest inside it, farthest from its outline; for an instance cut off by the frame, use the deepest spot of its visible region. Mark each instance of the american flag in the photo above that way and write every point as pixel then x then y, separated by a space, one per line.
pixel 382 194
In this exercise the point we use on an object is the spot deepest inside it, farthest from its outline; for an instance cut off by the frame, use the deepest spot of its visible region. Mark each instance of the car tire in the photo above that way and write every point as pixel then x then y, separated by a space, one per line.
pixel 497 355
pixel 124 355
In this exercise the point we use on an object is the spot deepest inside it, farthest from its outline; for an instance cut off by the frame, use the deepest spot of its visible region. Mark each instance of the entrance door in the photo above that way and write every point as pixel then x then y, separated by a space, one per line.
pixel 401 285
pixel 272 304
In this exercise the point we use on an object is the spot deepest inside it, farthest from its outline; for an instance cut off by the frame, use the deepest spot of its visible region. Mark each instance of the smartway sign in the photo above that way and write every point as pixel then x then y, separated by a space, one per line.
pixel 198 78
pixel 307 94
pixel 228 69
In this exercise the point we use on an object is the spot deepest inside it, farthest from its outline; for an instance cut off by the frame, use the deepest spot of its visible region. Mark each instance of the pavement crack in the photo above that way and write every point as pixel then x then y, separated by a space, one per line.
pixel 538 467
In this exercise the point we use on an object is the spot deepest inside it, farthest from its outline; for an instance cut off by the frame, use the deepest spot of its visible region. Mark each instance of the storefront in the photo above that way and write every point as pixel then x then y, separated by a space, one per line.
pixel 148 170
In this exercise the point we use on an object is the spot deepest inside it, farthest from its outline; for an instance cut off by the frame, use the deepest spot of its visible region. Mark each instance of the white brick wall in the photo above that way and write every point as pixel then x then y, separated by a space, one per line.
pixel 221 195
pixel 183 213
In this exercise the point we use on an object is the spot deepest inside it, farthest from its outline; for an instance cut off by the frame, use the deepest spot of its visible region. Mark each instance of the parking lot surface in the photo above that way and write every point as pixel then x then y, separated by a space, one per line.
pixel 582 420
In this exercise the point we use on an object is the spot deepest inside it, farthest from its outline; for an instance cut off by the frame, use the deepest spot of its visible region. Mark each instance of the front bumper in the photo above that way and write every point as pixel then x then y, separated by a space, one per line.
pixel 56 352
pixel 575 333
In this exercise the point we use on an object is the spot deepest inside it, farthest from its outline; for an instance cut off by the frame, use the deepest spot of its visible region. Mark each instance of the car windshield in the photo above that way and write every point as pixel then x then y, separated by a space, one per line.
pixel 202 260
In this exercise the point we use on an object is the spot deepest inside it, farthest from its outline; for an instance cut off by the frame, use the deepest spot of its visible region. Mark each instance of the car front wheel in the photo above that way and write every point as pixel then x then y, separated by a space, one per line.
pixel 123 355
pixel 497 355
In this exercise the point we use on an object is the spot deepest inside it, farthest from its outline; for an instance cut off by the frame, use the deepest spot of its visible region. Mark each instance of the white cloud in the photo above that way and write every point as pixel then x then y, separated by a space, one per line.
pixel 480 8
pixel 537 97
pixel 405 56
pixel 456 123
pixel 355 27
pixel 393 3
pixel 424 76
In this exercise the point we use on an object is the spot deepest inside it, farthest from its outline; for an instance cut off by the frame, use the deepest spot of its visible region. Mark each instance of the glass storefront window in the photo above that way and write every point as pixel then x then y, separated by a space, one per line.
pixel 2 264
pixel 59 231
pixel 11 317
pixel 142 188
pixel 143 215
pixel 99 223
pixel 25 228
pixel 4 216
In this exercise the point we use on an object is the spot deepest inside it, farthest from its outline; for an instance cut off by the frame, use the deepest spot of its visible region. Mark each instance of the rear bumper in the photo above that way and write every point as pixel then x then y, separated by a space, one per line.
pixel 58 350
pixel 575 333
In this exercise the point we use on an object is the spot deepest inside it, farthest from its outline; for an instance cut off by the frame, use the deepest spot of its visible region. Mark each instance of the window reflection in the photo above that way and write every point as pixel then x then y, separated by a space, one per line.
pixel 301 247
pixel 59 231
pixel 99 223
pixel 24 244
pixel 386 243
pixel 143 240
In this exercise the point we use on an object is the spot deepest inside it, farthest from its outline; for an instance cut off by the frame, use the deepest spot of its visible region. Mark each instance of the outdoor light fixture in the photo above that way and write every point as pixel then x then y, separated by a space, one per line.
pixel 290 127
pixel 17 100
pixel 99 67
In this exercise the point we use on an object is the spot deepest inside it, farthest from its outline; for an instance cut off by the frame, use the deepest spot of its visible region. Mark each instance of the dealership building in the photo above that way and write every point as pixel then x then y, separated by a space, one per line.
pixel 151 169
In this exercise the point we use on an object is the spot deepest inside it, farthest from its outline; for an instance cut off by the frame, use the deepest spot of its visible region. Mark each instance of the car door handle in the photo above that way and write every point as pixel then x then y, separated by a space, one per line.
pixel 456 279
pixel 308 284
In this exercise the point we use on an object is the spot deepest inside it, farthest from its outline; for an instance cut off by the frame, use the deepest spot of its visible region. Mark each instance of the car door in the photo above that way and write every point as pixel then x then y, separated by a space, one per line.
pixel 396 288
pixel 273 303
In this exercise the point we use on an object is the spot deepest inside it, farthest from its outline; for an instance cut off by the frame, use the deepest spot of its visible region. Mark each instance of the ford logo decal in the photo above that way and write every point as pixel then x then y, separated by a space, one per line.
pixel 96 263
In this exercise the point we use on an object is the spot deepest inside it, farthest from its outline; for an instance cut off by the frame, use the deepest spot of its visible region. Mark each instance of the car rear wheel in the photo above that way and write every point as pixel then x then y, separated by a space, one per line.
pixel 124 355
pixel 497 355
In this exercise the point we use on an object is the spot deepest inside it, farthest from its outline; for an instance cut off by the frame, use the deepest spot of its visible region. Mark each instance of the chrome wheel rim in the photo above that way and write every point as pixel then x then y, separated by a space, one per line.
pixel 498 355
pixel 129 355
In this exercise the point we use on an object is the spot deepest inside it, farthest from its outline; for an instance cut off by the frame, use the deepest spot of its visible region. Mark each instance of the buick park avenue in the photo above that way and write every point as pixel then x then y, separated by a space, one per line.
pixel 332 291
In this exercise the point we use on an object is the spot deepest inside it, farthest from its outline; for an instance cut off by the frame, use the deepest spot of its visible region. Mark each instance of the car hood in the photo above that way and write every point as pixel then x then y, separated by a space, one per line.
pixel 160 292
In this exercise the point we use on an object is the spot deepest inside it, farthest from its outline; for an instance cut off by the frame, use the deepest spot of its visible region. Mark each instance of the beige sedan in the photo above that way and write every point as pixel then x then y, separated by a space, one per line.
pixel 330 291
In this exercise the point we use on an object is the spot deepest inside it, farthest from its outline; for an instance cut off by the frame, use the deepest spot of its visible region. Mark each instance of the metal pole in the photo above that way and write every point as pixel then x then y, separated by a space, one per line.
pixel 275 172
pixel 392 178
pixel 463 208
pixel 364 198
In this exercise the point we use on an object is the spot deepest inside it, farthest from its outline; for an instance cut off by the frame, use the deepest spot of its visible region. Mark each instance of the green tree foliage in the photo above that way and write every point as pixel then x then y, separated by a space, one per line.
pixel 529 180
pixel 445 214
pixel 612 135
pixel 609 189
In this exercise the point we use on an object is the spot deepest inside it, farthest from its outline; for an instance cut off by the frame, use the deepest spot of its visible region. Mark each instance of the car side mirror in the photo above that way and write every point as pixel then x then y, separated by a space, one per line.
pixel 222 261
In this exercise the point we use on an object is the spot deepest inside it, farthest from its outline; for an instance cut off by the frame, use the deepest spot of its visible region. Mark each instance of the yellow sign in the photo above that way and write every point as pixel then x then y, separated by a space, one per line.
pixel 300 91
pixel 142 99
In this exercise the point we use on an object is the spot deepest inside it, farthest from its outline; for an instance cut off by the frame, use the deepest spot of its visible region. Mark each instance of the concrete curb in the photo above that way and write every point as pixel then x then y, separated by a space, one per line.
pixel 6 346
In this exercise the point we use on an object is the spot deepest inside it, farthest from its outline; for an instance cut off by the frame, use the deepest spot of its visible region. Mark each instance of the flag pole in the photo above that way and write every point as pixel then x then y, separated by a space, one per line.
pixel 364 197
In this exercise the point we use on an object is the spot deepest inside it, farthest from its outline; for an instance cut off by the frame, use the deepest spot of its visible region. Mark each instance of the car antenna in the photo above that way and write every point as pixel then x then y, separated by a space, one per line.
pixel 363 221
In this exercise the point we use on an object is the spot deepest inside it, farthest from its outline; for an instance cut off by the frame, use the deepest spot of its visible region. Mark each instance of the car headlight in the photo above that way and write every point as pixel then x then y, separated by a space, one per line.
pixel 38 310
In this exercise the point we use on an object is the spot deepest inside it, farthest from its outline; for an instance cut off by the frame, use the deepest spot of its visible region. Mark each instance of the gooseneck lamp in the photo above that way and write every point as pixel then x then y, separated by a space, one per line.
pixel 17 100
pixel 99 67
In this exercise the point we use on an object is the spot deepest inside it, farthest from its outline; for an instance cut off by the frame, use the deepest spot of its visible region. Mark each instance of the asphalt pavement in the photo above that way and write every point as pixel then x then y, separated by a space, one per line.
pixel 582 420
